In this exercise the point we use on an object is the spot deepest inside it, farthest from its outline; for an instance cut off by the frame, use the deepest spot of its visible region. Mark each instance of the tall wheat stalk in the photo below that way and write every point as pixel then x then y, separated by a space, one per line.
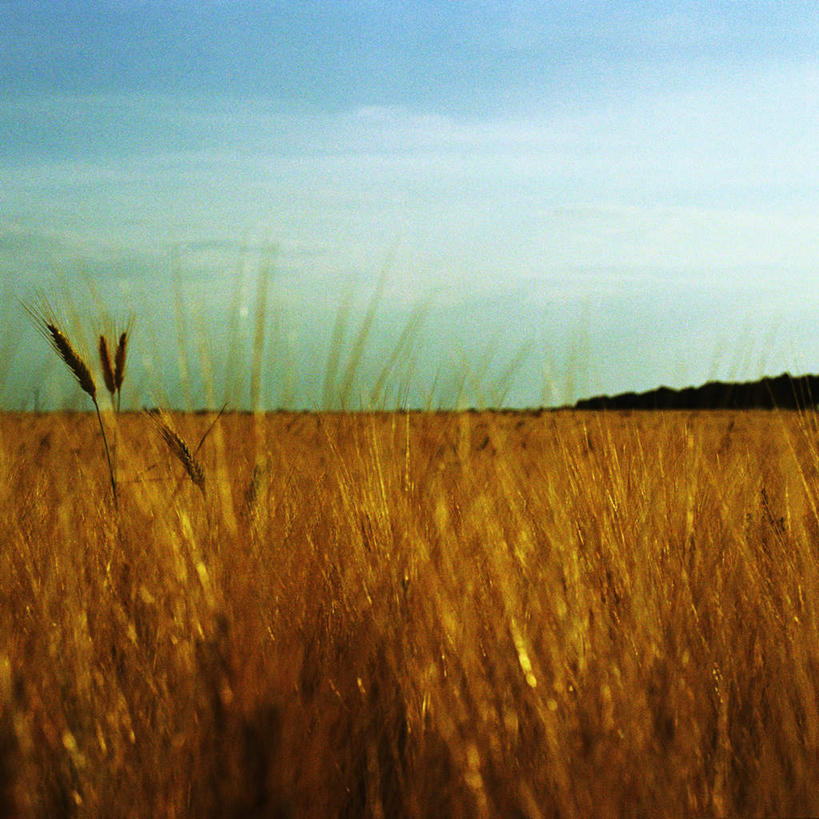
pixel 113 374
pixel 47 324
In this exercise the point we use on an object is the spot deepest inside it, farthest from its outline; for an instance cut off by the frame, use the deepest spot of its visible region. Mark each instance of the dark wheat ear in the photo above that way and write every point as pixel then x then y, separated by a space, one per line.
pixel 176 443
pixel 72 359
pixel 119 359
pixel 46 324
pixel 107 368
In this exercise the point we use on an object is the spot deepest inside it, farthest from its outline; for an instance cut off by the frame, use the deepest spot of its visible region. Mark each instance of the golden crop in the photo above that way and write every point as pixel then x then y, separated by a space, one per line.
pixel 445 614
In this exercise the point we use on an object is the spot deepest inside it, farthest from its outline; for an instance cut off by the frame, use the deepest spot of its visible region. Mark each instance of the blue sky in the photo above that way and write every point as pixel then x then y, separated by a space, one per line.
pixel 613 195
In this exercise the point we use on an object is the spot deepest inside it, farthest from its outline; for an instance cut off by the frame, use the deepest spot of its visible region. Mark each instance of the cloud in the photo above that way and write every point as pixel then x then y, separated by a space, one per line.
pixel 711 180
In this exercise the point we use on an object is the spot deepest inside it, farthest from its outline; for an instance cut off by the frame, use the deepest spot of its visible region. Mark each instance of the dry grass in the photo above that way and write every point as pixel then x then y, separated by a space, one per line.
pixel 560 614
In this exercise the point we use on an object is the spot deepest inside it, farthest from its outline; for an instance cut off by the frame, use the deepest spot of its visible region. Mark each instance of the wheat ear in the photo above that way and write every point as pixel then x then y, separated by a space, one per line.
pixel 46 324
pixel 73 360
pixel 114 373
pixel 176 443
pixel 107 367
pixel 119 364
pixel 119 360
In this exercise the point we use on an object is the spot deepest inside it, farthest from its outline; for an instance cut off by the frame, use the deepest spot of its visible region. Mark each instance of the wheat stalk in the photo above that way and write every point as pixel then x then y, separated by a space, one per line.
pixel 114 374
pixel 45 320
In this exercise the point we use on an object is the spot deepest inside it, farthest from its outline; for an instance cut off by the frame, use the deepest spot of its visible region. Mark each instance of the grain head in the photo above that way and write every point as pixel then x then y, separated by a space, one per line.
pixel 119 359
pixel 47 324
pixel 179 447
pixel 107 368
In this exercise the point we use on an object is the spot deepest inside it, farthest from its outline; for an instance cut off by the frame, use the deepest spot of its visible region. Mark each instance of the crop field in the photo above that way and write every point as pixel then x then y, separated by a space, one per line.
pixel 410 614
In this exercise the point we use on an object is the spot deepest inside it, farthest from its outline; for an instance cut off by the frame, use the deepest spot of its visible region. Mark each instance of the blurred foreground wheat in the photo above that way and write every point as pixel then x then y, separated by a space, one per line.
pixel 556 614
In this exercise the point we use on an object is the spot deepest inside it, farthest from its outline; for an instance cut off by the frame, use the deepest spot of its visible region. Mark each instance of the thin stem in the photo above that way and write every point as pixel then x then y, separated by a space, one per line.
pixel 116 432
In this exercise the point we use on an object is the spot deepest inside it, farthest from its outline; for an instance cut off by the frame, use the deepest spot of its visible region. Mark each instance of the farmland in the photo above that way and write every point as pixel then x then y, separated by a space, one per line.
pixel 421 614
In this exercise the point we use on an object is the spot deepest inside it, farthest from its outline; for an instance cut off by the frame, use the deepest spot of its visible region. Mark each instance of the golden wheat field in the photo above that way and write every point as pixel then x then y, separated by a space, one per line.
pixel 411 614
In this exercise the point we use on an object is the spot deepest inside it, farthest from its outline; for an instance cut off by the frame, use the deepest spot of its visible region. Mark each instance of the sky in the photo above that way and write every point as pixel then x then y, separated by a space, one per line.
pixel 430 204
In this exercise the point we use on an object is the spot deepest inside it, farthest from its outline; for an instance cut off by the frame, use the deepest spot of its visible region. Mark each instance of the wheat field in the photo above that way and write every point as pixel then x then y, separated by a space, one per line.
pixel 411 614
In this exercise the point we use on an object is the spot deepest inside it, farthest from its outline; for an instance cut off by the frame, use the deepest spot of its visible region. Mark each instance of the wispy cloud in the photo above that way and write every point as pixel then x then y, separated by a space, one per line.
pixel 711 179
